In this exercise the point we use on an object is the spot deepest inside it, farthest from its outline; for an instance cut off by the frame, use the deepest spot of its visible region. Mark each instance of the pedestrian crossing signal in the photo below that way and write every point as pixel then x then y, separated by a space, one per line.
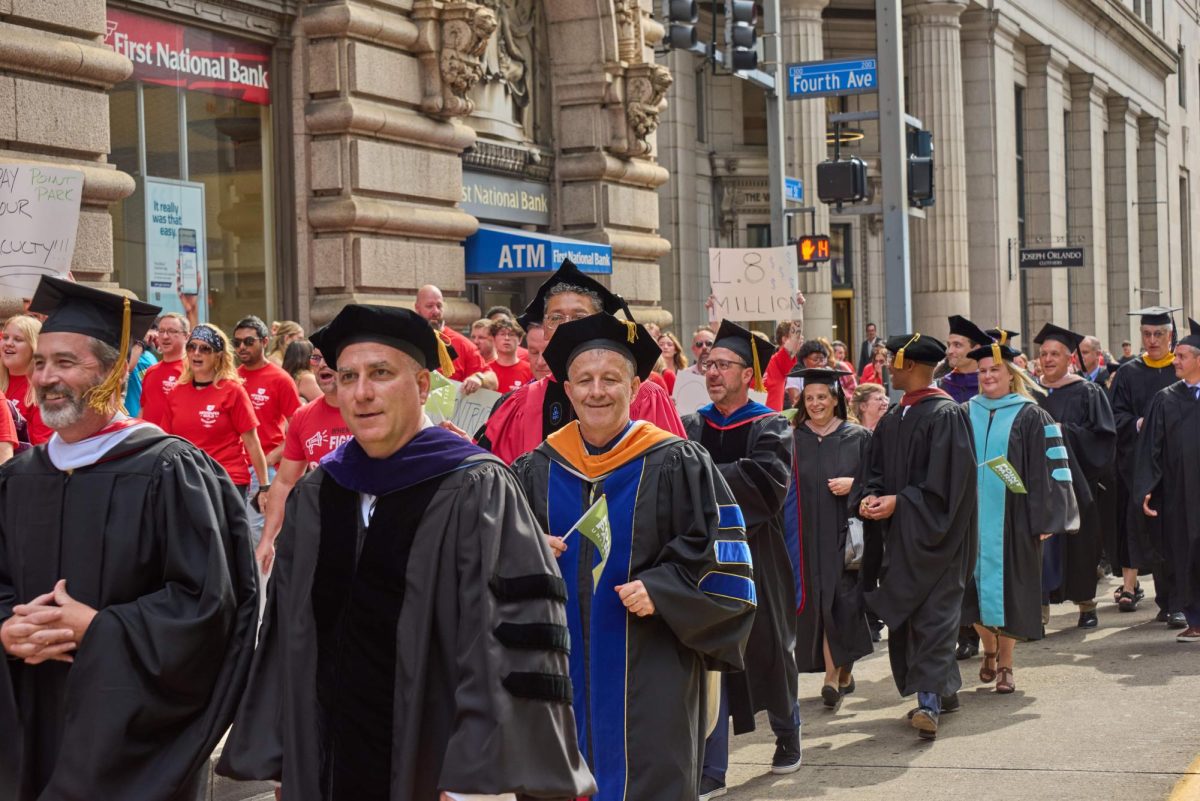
pixel 811 249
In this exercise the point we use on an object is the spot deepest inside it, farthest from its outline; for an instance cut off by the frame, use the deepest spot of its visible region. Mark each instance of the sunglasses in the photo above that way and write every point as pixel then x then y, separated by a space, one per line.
pixel 248 341
pixel 199 347
pixel 700 343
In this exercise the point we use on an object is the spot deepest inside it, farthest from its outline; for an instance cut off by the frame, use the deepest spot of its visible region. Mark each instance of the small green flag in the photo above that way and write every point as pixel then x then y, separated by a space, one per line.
pixel 1008 474
pixel 594 525
pixel 443 396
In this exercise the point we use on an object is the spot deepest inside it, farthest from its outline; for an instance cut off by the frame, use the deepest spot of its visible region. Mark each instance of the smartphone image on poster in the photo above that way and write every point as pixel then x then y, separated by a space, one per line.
pixel 189 264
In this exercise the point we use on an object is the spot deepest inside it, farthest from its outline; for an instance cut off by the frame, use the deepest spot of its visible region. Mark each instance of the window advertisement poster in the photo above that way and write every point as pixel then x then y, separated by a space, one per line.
pixel 168 54
pixel 176 257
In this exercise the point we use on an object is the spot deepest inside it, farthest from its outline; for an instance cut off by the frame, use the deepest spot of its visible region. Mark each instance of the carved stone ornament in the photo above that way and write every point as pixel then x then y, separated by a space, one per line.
pixel 452 37
pixel 628 15
pixel 646 87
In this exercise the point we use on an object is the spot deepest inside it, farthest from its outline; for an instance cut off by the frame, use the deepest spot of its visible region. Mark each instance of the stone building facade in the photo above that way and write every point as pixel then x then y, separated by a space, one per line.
pixel 1055 123
pixel 320 153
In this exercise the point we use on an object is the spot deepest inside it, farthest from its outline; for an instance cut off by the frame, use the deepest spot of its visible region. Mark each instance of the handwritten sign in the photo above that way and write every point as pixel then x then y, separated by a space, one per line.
pixel 473 410
pixel 39 215
pixel 754 283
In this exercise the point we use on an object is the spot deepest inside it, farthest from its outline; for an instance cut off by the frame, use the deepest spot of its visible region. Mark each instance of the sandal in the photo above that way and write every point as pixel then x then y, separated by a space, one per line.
pixel 1138 593
pixel 987 671
pixel 1004 681
pixel 1127 601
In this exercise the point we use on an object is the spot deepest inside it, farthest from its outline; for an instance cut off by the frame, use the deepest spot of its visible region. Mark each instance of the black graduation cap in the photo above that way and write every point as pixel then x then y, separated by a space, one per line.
pixel 916 347
pixel 1156 315
pixel 398 328
pixel 1193 337
pixel 568 273
pixel 1002 335
pixel 961 326
pixel 754 349
pixel 1050 331
pixel 819 375
pixel 601 331
pixel 113 319
pixel 995 351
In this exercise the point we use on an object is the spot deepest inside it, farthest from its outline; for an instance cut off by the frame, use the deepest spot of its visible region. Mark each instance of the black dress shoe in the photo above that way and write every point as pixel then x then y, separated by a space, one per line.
pixel 1088 620
pixel 1176 620
pixel 1162 616
pixel 950 703
pixel 966 650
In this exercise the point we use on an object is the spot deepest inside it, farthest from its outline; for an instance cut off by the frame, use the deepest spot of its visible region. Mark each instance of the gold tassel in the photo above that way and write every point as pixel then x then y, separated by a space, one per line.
pixel 445 363
pixel 100 397
pixel 631 332
pixel 1003 337
pixel 899 363
pixel 997 357
pixel 758 381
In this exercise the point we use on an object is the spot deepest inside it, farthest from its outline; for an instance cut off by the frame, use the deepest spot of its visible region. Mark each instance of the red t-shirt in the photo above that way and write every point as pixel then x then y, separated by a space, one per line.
pixel 775 377
pixel 468 361
pixel 157 383
pixel 317 428
pixel 18 388
pixel 511 377
pixel 213 418
pixel 8 426
pixel 275 399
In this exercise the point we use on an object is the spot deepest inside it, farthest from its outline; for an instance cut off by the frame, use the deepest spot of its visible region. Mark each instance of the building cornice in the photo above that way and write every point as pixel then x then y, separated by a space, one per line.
pixel 1119 23
pixel 266 18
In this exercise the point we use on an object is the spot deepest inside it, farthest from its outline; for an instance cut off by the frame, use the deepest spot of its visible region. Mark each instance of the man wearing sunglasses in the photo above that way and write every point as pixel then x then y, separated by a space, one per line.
pixel 275 399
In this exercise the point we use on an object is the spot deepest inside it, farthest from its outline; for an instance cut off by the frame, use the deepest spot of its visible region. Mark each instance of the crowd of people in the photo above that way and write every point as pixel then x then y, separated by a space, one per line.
pixel 588 596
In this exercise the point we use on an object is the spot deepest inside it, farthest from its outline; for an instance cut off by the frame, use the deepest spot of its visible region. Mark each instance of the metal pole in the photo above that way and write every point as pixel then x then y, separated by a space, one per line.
pixel 773 55
pixel 893 162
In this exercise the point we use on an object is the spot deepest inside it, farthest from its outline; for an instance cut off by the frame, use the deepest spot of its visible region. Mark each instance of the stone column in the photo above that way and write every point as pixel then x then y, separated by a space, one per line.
pixel 610 94
pixel 1086 219
pixel 386 90
pixel 989 99
pixel 1153 229
pixel 1045 185
pixel 1122 225
pixel 804 124
pixel 54 75
pixel 933 62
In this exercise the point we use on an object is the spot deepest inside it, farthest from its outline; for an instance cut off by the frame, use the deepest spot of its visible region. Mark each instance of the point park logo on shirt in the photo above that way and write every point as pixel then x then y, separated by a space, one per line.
pixel 169 384
pixel 259 398
pixel 209 415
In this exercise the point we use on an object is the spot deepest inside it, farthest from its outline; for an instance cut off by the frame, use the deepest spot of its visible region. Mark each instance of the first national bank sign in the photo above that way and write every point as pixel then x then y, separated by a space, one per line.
pixel 493 250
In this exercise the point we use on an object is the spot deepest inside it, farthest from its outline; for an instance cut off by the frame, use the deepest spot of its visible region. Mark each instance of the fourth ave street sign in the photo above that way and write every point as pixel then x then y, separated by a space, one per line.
pixel 1033 258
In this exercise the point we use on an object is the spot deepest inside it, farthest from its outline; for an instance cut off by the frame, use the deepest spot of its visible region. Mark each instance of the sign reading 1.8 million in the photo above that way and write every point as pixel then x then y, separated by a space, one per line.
pixel 754 283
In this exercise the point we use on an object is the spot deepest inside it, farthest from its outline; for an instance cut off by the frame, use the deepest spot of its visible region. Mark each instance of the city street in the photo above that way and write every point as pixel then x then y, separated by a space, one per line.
pixel 1097 715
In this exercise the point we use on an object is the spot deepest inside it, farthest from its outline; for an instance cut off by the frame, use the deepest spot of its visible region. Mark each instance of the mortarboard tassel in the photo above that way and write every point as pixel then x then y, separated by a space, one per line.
pixel 100 397
pixel 445 363
pixel 631 332
pixel 899 363
pixel 758 381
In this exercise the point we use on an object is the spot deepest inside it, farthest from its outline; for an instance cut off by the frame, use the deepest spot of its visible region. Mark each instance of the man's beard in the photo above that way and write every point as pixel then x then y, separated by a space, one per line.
pixel 65 415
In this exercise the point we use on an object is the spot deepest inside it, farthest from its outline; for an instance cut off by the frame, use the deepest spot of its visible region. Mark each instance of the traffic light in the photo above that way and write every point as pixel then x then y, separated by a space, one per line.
pixel 681 17
pixel 842 181
pixel 920 168
pixel 812 248
pixel 741 35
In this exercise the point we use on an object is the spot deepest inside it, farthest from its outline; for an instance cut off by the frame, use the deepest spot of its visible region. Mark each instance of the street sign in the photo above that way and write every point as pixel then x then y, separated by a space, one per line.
pixel 1037 258
pixel 793 190
pixel 812 249
pixel 839 76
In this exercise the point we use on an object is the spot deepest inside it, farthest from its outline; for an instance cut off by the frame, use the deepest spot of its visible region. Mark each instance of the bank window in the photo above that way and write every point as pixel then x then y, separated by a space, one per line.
pixel 758 235
pixel 193 127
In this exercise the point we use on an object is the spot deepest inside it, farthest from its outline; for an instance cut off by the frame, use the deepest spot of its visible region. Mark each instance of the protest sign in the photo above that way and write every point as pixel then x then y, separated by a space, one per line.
pixel 754 283
pixel 473 410
pixel 39 215
pixel 690 393
pixel 443 395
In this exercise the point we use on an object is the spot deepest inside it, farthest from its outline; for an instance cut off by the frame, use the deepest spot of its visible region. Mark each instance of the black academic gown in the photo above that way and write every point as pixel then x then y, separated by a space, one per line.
pixel 1090 434
pixel 480 702
pixel 639 681
pixel 927 459
pixel 155 537
pixel 1168 469
pixel 1133 387
pixel 755 458
pixel 832 606
pixel 1048 507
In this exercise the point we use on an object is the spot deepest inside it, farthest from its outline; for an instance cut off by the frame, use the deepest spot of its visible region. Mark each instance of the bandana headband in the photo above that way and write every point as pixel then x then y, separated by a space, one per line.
pixel 205 334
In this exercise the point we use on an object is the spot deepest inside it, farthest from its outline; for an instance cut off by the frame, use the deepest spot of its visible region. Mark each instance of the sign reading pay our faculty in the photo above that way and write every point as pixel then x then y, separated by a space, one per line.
pixel 39 215
pixel 754 283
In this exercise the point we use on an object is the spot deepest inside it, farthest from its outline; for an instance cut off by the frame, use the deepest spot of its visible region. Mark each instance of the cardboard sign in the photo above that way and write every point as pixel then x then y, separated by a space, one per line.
pixel 754 283
pixel 473 410
pixel 39 215
pixel 690 392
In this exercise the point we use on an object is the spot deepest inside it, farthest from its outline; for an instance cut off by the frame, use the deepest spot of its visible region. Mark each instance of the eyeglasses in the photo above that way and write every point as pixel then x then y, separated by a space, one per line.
pixel 702 343
pixel 247 341
pixel 721 364
pixel 199 347
pixel 316 358
pixel 558 318
pixel 162 332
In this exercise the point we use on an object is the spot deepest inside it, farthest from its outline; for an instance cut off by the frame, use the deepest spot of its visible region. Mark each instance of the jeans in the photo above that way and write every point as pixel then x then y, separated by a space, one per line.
pixel 256 518
pixel 716 747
